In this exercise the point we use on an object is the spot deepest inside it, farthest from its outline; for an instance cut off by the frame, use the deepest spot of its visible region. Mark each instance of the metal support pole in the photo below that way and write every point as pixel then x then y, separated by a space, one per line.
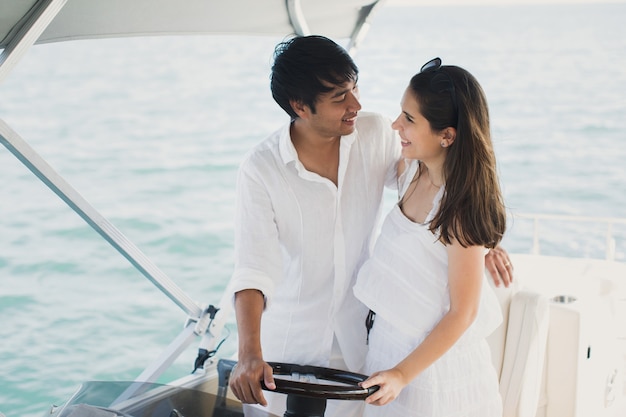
pixel 35 163
pixel 296 18
pixel 152 372
pixel 24 36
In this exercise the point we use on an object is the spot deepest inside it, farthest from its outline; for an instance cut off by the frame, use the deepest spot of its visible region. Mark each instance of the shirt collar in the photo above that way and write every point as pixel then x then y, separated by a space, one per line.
pixel 288 151
pixel 285 145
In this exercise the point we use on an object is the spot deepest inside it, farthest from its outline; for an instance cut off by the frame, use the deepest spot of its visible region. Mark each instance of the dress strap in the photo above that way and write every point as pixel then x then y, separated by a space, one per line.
pixel 436 203
pixel 404 180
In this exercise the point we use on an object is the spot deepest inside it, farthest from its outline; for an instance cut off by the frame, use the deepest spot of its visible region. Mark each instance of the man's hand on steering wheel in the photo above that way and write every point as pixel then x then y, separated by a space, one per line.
pixel 245 380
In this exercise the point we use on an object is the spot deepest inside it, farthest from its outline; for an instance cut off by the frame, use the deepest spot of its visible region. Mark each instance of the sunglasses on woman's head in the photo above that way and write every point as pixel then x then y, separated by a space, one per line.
pixel 440 82
pixel 432 65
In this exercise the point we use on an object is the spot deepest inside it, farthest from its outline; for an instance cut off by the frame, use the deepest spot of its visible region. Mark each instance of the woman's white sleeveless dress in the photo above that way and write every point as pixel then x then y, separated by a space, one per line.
pixel 406 283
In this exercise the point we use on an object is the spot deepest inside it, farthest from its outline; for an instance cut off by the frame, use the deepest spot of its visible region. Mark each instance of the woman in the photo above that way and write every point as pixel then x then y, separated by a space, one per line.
pixel 425 280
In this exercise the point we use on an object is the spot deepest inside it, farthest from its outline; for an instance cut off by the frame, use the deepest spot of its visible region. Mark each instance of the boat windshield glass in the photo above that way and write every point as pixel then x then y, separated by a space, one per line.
pixel 135 399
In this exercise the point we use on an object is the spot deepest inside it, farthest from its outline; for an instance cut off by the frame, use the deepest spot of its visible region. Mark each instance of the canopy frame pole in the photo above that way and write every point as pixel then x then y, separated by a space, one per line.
pixel 154 370
pixel 26 33
pixel 38 166
pixel 296 18
pixel 301 28
pixel 362 26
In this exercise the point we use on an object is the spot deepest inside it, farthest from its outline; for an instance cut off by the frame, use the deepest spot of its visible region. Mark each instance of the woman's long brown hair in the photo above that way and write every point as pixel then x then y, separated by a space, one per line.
pixel 472 209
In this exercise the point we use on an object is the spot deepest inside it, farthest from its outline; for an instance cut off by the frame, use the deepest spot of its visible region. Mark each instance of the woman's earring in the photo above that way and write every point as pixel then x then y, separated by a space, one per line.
pixel 443 144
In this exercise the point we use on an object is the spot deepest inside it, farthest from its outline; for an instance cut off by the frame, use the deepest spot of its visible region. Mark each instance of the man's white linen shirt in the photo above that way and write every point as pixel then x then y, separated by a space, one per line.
pixel 300 240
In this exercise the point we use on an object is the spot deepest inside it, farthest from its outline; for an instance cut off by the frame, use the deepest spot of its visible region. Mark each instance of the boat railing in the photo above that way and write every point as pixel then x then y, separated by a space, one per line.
pixel 609 225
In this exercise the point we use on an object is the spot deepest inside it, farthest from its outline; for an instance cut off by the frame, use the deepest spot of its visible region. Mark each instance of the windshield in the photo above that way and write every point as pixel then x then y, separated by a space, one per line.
pixel 133 399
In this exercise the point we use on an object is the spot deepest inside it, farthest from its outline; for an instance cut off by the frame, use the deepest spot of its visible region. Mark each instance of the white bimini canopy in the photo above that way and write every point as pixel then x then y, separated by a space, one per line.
pixel 27 22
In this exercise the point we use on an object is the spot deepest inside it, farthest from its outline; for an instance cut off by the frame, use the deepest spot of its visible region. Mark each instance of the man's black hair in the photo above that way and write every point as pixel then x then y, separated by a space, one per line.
pixel 303 68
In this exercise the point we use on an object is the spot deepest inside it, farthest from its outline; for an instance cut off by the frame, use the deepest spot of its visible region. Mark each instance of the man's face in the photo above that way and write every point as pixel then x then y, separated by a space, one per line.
pixel 336 110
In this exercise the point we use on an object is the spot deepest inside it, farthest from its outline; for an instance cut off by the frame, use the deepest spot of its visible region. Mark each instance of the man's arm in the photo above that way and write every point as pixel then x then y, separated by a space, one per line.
pixel 245 380
pixel 257 261
pixel 499 265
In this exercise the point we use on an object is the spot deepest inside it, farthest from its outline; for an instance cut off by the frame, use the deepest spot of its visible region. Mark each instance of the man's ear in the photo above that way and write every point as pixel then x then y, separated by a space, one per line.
pixel 299 107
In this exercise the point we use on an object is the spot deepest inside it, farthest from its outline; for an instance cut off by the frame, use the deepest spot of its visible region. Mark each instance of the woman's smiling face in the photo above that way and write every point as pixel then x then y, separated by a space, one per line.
pixel 418 140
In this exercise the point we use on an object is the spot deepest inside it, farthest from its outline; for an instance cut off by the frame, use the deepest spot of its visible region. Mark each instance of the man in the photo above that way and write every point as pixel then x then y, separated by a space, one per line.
pixel 309 198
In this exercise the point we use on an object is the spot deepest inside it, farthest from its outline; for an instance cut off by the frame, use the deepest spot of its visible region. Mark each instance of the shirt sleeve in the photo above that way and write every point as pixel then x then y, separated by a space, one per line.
pixel 257 249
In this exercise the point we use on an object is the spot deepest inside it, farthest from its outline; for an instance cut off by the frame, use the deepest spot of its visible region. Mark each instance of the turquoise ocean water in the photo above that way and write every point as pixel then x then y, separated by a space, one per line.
pixel 151 132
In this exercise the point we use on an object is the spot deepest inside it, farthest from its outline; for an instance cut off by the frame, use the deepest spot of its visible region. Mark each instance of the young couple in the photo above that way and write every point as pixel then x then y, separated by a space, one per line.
pixel 308 201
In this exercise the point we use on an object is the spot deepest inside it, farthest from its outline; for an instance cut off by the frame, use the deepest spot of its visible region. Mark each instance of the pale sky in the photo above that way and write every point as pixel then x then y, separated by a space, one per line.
pixel 502 2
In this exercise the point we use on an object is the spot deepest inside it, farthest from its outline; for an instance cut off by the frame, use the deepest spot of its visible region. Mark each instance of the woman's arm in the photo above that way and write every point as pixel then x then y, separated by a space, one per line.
pixel 465 275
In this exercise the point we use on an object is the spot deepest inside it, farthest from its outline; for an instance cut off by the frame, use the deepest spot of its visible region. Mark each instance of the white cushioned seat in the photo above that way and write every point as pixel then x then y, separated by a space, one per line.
pixel 518 350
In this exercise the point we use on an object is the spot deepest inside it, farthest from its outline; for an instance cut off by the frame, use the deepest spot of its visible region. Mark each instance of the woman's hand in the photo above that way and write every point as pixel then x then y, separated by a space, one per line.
pixel 390 382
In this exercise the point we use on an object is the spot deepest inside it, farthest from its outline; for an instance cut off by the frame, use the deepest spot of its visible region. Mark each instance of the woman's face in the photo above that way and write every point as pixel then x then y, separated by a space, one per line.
pixel 418 140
